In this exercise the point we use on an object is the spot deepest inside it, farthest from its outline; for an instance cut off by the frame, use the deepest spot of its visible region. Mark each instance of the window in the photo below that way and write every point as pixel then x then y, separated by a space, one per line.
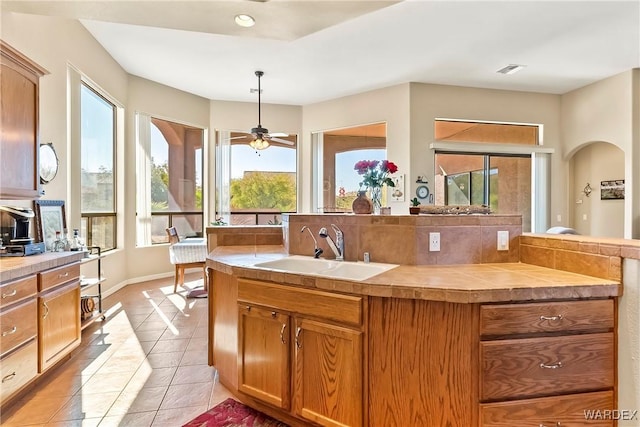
pixel 263 184
pixel 495 164
pixel 336 153
pixel 98 178
pixel 501 182
pixel 170 187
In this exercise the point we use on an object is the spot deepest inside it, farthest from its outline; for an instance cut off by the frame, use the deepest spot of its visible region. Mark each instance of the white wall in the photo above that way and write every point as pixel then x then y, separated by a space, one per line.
pixel 604 111
pixel 592 164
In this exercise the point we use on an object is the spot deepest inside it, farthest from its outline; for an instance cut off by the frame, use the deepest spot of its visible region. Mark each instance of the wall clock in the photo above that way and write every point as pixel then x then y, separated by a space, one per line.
pixel 422 191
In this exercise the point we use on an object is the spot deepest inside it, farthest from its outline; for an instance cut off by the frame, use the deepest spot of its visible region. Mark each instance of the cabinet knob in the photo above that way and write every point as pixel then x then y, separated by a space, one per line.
pixel 9 377
pixel 284 328
pixel 274 314
pixel 551 318
pixel 248 308
pixel 10 331
pixel 9 294
pixel 298 342
pixel 551 366
pixel 60 276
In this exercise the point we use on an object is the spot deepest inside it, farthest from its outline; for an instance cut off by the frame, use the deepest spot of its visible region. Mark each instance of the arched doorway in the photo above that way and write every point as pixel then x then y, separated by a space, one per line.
pixel 597 210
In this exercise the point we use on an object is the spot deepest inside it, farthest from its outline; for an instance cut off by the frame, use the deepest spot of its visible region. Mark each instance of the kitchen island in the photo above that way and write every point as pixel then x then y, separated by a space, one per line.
pixel 487 344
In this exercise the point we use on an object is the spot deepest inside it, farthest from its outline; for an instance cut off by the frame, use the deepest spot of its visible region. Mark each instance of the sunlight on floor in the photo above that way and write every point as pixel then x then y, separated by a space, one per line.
pixel 146 364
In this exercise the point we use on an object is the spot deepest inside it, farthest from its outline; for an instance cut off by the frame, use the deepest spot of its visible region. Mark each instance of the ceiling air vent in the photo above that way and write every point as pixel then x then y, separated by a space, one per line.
pixel 510 69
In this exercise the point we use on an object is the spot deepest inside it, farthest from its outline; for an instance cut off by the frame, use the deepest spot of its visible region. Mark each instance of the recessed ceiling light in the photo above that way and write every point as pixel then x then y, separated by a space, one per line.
pixel 510 69
pixel 245 20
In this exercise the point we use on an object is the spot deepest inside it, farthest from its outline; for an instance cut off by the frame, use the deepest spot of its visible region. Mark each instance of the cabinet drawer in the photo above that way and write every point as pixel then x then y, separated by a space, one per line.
pixel 337 307
pixel 18 325
pixel 567 316
pixel 534 367
pixel 17 369
pixel 16 290
pixel 574 410
pixel 58 276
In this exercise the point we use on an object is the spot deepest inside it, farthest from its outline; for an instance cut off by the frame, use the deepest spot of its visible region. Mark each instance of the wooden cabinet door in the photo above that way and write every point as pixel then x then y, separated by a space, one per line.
pixel 58 323
pixel 19 175
pixel 328 384
pixel 263 354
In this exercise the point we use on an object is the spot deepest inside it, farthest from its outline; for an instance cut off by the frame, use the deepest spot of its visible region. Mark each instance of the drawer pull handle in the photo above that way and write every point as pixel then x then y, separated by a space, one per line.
pixel 46 307
pixel 284 328
pixel 552 366
pixel 9 377
pixel 551 318
pixel 10 294
pixel 60 276
pixel 10 331
pixel 556 425
pixel 298 343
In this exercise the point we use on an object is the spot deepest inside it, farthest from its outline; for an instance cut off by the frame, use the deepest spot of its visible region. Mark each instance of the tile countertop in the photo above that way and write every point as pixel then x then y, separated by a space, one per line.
pixel 13 267
pixel 465 283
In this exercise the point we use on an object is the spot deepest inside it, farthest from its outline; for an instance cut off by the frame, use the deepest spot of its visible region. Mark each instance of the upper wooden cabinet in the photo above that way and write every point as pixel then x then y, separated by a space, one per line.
pixel 19 146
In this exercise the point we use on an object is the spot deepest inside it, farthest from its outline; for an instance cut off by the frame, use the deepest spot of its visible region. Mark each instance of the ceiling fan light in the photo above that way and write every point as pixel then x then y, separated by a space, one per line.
pixel 259 144
pixel 244 20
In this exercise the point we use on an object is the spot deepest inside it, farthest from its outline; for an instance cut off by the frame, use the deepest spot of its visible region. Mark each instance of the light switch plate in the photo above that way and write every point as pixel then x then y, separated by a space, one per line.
pixel 434 242
pixel 503 240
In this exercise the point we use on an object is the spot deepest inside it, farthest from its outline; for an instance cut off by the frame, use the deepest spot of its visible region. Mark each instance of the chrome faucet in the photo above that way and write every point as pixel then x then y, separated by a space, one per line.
pixel 317 251
pixel 338 246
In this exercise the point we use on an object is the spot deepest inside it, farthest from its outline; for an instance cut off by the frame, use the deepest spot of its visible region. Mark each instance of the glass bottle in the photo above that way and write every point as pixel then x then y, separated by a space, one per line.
pixel 75 241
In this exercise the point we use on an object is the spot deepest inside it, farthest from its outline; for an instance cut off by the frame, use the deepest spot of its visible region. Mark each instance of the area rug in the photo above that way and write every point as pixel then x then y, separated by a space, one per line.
pixel 232 413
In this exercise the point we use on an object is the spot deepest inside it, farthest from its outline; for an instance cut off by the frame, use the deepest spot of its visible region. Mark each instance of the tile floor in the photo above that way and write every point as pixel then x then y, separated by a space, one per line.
pixel 146 365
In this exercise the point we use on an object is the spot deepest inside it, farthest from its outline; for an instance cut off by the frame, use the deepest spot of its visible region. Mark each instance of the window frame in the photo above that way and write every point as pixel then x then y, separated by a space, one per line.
pixel 88 216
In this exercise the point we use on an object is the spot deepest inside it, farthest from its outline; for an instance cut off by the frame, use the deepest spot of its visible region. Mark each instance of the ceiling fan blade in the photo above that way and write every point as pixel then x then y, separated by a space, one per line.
pixel 281 141
pixel 240 137
pixel 277 134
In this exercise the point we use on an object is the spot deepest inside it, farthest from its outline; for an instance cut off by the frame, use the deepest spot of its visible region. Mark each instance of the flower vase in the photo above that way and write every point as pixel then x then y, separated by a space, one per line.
pixel 376 199
pixel 362 204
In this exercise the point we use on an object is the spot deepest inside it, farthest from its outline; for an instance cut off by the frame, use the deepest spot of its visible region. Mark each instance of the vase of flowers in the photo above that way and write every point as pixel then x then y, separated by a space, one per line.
pixel 375 173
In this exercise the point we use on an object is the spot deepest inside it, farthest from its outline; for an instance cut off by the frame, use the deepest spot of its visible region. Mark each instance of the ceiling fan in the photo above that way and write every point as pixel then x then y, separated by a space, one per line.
pixel 260 138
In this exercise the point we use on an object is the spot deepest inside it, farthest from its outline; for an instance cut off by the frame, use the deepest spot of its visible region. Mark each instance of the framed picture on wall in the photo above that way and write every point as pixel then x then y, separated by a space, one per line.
pixel 612 190
pixel 50 217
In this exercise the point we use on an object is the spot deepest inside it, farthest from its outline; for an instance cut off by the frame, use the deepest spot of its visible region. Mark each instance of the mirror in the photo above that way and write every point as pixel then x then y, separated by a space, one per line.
pixel 48 163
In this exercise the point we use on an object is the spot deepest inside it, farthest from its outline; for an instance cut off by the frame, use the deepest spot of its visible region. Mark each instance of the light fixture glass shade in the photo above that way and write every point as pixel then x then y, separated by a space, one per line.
pixel 259 144
pixel 245 20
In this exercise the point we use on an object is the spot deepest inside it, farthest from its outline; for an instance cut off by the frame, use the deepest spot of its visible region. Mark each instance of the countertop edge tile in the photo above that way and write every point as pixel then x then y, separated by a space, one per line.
pixel 451 283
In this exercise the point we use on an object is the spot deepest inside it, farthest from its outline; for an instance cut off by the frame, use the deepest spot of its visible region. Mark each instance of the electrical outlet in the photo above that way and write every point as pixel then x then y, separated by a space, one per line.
pixel 434 242
pixel 503 240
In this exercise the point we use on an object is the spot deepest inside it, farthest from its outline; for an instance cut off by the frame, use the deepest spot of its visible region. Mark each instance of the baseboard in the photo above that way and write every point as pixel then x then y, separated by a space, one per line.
pixel 132 281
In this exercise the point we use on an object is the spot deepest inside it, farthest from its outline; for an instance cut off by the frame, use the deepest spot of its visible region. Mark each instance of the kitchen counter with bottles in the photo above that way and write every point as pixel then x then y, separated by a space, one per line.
pixel 466 283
